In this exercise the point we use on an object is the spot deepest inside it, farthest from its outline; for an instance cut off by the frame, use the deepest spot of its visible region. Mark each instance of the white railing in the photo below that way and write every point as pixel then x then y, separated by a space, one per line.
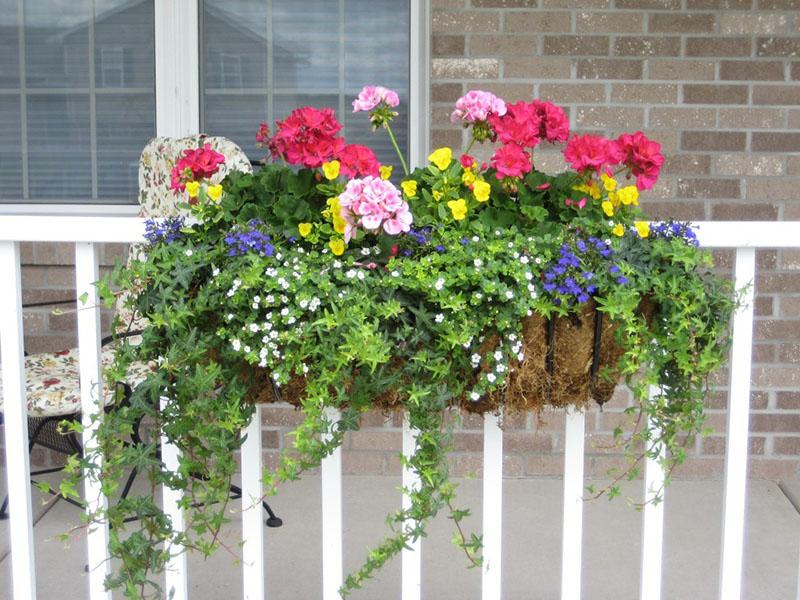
pixel 88 232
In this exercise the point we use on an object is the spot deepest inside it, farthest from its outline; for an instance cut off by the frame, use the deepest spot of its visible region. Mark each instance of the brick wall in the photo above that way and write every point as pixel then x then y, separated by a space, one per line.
pixel 717 82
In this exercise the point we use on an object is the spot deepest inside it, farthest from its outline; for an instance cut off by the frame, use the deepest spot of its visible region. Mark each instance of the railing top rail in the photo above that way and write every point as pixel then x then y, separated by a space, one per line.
pixel 57 228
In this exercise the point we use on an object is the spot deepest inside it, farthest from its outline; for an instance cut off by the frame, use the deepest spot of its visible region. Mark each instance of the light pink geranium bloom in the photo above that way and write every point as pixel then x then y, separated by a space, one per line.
pixel 372 95
pixel 477 105
pixel 372 202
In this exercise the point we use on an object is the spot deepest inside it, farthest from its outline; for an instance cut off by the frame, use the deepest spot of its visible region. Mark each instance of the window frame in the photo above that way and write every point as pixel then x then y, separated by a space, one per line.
pixel 177 92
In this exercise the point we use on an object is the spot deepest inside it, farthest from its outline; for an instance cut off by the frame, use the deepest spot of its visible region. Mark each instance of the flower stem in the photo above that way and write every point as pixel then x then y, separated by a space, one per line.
pixel 396 148
pixel 469 146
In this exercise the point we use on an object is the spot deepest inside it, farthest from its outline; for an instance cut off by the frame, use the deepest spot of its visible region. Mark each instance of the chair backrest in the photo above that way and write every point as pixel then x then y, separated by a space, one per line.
pixel 157 200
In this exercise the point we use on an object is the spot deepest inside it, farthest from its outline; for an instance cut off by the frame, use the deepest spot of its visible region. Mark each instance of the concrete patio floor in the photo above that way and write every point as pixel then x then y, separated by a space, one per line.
pixel 532 545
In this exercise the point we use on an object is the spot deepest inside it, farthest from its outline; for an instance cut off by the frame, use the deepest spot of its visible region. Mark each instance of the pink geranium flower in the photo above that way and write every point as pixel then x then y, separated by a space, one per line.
pixel 511 160
pixel 592 152
pixel 371 96
pixel 372 203
pixel 476 106
pixel 643 157
pixel 358 161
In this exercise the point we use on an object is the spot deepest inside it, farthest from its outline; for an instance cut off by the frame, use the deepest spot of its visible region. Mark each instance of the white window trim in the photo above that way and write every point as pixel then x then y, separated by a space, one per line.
pixel 177 82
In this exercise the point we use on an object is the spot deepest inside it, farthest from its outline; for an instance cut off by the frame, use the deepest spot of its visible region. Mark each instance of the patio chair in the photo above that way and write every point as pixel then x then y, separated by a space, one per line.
pixel 53 390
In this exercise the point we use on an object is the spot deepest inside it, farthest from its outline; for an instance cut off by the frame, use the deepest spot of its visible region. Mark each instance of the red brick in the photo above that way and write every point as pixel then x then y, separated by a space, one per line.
pixel 536 68
pixel 503 45
pixel 683 118
pixel 448 45
pixel 718 46
pixel 446 92
pixel 682 23
pixel 576 45
pixel 764 306
pixel 687 164
pixel 776 94
pixel 609 22
pixel 504 3
pixel 778 46
pixel 657 4
pixel 775 422
pixel 777 330
pixel 460 22
pixel 647 46
pixel 570 93
pixel 788 400
pixel 714 94
pixel 681 69
pixel 786 445
pixel 747 23
pixel 736 211
pixel 776 142
pixel 644 93
pixel 598 68
pixel 713 140
pixel 751 118
pixel 747 164
pixel 779 4
pixel 538 22
pixel 716 444
pixel 751 70
pixel 719 4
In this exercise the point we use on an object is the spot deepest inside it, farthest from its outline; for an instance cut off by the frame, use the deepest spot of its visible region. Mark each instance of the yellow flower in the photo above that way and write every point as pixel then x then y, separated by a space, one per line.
pixel 305 229
pixel 339 224
pixel 214 192
pixel 481 189
pixel 614 197
pixel 629 195
pixel 458 208
pixel 618 229
pixel 386 171
pixel 468 178
pixel 331 169
pixel 337 246
pixel 591 188
pixel 608 208
pixel 608 182
pixel 441 158
pixel 642 228
pixel 192 187
pixel 437 195
pixel 409 188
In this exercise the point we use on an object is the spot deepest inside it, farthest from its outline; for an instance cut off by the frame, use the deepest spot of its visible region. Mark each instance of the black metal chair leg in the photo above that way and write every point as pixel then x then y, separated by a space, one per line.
pixel 272 521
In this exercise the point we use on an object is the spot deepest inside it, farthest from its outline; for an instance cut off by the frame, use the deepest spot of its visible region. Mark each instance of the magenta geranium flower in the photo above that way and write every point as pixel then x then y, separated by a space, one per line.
pixel 520 125
pixel 195 164
pixel 307 137
pixel 592 152
pixel 358 161
pixel 553 121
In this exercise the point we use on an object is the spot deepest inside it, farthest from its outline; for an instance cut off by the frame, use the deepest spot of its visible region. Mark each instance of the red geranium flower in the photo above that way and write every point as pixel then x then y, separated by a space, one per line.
pixel 511 161
pixel 553 121
pixel 592 152
pixel 358 161
pixel 307 137
pixel 195 164
pixel 520 125
pixel 643 157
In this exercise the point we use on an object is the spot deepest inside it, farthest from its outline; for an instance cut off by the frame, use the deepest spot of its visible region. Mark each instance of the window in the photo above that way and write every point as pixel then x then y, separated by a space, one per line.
pixel 263 58
pixel 77 99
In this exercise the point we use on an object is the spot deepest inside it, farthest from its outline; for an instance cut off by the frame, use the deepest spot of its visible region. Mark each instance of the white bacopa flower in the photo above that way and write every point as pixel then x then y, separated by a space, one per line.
pixel 475 359
pixel 350 274
pixel 247 348
pixel 530 313
pixel 475 238
pixel 498 355
pixel 509 294
pixel 365 251
pixel 236 345
pixel 278 256
pixel 478 295
pixel 337 264
pixel 256 299
pixel 303 304
pixel 284 312
pixel 305 368
pixel 361 275
pixel 269 299
pixel 439 318
pixel 189 252
pixel 477 262
pixel 284 299
pixel 510 245
pixel 474 396
pixel 515 255
pixel 439 283
pixel 215 271
pixel 500 368
pixel 253 327
pixel 520 356
pixel 607 241
pixel 273 334
pixel 395 273
pixel 491 378
pixel 262 363
pixel 271 272
pixel 291 320
pixel 230 316
pixel 538 260
pixel 524 259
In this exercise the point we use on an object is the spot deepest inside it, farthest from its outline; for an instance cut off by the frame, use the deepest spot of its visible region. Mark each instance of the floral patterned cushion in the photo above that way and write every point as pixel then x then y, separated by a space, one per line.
pixel 54 381
pixel 54 378
pixel 157 200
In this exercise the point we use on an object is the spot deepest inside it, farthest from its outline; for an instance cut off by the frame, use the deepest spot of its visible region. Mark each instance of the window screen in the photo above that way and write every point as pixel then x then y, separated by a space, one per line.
pixel 77 99
pixel 263 58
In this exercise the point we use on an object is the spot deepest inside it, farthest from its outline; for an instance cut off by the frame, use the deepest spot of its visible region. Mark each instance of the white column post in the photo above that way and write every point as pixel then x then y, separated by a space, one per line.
pixel 252 514
pixel 86 274
pixel 730 581
pixel 411 558
pixel 18 472
pixel 332 520
pixel 492 508
pixel 652 521
pixel 177 67
pixel 572 535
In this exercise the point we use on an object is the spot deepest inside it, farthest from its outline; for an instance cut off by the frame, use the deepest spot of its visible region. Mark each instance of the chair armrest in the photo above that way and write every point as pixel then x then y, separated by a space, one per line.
pixel 115 336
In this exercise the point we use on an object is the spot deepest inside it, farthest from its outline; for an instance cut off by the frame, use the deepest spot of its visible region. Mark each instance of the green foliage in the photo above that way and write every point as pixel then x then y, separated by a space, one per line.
pixel 403 320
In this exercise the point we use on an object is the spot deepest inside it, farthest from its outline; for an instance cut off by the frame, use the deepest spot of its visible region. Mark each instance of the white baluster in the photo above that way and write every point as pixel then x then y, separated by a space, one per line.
pixel 492 508
pixel 730 582
pixel 652 521
pixel 86 274
pixel 411 558
pixel 572 535
pixel 15 416
pixel 332 520
pixel 252 514
pixel 176 572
